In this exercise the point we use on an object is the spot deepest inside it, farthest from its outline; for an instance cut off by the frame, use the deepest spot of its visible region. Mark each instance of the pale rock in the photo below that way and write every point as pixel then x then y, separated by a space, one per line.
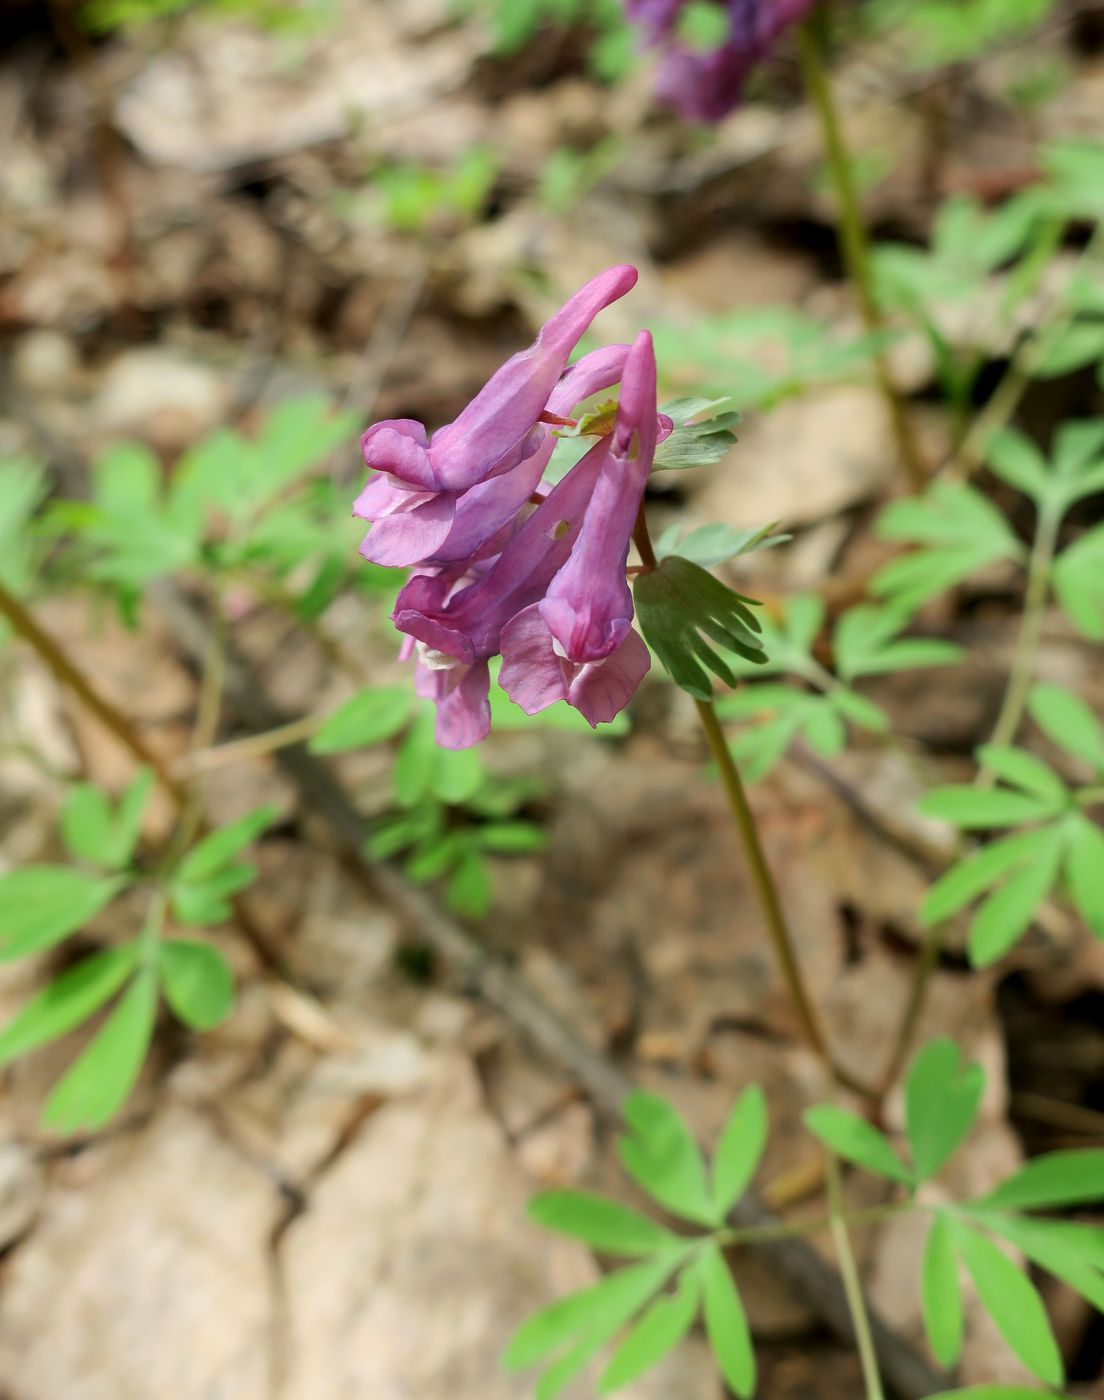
pixel 21 1191
pixel 148 1277
pixel 162 394
pixel 807 459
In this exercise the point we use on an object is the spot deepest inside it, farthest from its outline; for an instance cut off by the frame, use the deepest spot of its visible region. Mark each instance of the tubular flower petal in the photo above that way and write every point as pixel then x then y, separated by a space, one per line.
pixel 588 608
pixel 496 433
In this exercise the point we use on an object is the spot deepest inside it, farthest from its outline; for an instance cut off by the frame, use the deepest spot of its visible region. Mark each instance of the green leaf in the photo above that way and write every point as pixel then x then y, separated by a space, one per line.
pixel 368 718
pixel 941 1295
pixel 663 1326
pixel 1025 771
pixel 416 762
pixel 941 1102
pixel 1049 1245
pixel 679 606
pixel 856 1140
pixel 1017 460
pixel 94 831
pixel 1078 578
pixel 98 1082
pixel 67 1001
pixel 42 904
pixel 1013 1303
pixel 197 982
pixel 696 444
pixel 469 891
pixel 1068 722
pixel 663 1159
pixel 511 838
pixel 217 850
pixel 1085 871
pixel 865 644
pixel 726 1324
pixel 710 545
pixel 962 533
pixel 971 808
pixel 1068 1178
pixel 209 902
pixel 458 775
pixel 602 1223
pixel 1007 915
pixel 739 1149
pixel 599 1309
pixel 1075 346
pixel 970 877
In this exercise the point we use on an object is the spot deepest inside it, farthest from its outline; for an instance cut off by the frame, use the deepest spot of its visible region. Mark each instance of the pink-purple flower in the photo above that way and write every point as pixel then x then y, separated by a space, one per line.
pixel 707 86
pixel 500 565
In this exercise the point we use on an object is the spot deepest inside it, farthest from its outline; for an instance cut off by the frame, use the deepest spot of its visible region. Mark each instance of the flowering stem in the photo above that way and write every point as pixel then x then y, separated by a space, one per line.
pixel 73 678
pixel 853 241
pixel 852 1285
pixel 1004 731
pixel 765 888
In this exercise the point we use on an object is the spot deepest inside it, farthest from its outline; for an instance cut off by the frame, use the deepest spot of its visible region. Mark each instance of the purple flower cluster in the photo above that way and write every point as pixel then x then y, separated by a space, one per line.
pixel 706 86
pixel 499 565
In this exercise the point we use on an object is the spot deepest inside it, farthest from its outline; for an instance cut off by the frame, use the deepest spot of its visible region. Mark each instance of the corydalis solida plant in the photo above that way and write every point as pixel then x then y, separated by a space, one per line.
pixel 706 86
pixel 499 565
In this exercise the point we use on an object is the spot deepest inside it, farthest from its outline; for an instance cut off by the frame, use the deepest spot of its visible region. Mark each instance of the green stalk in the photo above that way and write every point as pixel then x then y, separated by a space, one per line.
pixel 1008 721
pixel 71 677
pixel 852 1284
pixel 853 240
pixel 765 888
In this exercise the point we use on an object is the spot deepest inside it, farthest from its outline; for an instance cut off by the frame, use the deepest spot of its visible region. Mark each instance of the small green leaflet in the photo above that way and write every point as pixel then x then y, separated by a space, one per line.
pixel 42 904
pixel 1050 1245
pixel 942 1097
pixel 197 982
pixel 210 873
pixel 661 1156
pixel 959 533
pixel 739 1149
pixel 1078 578
pixel 710 545
pixel 974 808
pixel 600 1222
pixel 1006 915
pixel 101 834
pixel 726 1324
pixel 699 444
pixel 1076 468
pixel 662 1327
pixel 95 1086
pixel 941 1296
pixel 1068 1178
pixel 1068 722
pixel 867 642
pixel 680 606
pixel 368 718
pixel 67 1001
pixel 596 1311
pixel 1013 1302
pixel 857 1141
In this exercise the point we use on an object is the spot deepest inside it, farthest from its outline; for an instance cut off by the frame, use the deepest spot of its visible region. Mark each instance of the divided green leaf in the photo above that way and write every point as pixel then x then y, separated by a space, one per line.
pixel 663 1159
pixel 197 982
pixel 857 1141
pixel 600 1222
pixel 42 904
pixel 942 1097
pixel 680 605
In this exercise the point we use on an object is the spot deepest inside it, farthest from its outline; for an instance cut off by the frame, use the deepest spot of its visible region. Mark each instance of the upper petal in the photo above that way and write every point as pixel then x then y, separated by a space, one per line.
pixel 506 409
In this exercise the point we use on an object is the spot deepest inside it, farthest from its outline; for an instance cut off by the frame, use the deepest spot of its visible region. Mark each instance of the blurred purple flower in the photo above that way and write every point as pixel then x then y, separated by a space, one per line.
pixel 707 86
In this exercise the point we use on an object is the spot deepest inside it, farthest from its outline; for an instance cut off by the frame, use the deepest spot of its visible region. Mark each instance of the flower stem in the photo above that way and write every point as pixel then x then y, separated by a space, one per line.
pixel 1007 723
pixel 765 888
pixel 852 1284
pixel 853 241
pixel 73 678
